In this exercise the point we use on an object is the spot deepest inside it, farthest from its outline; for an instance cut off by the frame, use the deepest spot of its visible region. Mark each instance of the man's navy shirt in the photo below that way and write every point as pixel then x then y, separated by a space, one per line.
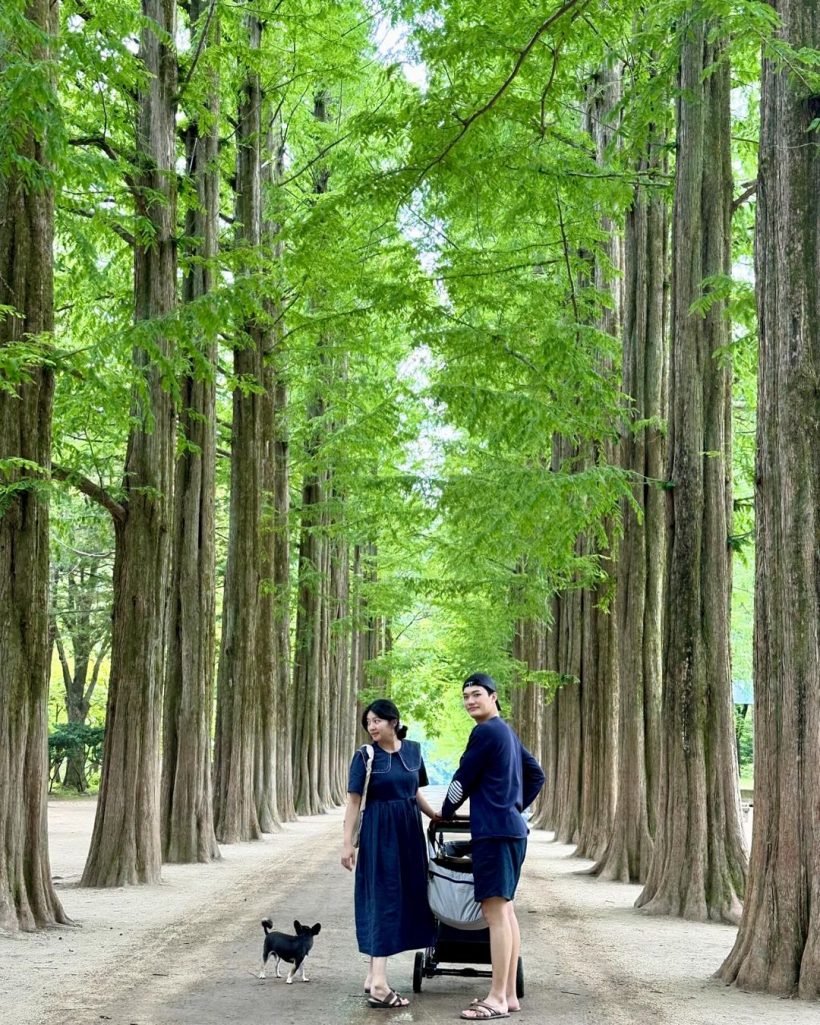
pixel 499 776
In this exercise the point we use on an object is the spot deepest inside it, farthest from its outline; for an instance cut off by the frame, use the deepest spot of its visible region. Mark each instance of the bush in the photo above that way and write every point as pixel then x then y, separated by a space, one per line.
pixel 74 740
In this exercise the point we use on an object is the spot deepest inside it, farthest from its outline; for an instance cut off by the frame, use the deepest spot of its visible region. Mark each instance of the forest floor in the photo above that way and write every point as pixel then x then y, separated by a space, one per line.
pixel 186 952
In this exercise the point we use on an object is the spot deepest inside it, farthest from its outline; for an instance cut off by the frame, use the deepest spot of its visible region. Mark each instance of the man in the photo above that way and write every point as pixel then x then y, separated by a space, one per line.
pixel 501 778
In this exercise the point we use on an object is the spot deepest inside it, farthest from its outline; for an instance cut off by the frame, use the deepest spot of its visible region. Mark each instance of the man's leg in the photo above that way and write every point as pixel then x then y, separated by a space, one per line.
pixel 512 974
pixel 501 943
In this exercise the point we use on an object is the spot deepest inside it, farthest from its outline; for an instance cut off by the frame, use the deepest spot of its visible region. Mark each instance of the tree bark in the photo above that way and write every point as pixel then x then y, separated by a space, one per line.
pixel 641 552
pixel 27 897
pixel 778 944
pixel 186 798
pixel 699 864
pixel 125 845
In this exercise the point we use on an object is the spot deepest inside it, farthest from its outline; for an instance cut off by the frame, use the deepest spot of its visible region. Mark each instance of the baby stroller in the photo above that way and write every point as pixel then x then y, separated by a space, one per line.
pixel 462 937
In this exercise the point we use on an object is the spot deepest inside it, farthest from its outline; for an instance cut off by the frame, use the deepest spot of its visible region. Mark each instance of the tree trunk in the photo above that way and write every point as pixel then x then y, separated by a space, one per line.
pixel 281 538
pixel 642 549
pixel 244 797
pixel 27 897
pixel 778 944
pixel 125 845
pixel 186 798
pixel 599 667
pixel 567 799
pixel 311 669
pixel 544 817
pixel 699 863
pixel 76 709
pixel 342 693
pixel 529 648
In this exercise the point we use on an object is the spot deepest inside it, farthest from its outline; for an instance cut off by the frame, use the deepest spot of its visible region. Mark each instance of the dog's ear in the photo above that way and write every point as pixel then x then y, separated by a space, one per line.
pixel 316 929
pixel 297 928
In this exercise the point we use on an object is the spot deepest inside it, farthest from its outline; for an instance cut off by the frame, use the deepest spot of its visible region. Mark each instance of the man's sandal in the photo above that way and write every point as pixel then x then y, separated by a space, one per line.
pixel 480 1010
pixel 392 1000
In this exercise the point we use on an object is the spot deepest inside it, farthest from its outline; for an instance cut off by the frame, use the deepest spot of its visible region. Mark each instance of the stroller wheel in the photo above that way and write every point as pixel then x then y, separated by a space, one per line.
pixel 519 979
pixel 418 971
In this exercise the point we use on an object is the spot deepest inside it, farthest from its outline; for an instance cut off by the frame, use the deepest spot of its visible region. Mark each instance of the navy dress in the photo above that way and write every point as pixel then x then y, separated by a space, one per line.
pixel 392 913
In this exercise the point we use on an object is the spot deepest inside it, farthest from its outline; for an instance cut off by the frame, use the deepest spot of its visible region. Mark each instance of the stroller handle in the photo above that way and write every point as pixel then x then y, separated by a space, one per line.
pixel 456 825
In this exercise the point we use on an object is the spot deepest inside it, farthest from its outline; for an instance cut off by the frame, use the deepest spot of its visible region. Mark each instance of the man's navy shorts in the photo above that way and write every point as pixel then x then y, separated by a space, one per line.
pixel 497 865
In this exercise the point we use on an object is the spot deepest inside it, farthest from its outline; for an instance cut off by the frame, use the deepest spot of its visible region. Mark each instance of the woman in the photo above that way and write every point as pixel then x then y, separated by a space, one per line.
pixel 391 875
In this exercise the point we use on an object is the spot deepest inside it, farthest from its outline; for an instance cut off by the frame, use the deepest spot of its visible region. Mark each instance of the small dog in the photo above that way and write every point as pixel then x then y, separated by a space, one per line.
pixel 283 947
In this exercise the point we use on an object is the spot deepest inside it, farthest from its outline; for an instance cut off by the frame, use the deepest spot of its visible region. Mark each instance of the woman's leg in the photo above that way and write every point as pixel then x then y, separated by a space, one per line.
pixel 379 987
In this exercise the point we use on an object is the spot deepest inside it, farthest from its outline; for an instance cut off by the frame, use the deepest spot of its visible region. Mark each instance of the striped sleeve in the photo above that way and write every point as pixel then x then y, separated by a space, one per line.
pixel 467 776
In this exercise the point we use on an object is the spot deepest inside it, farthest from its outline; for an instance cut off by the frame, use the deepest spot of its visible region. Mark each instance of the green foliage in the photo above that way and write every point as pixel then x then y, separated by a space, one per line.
pixel 74 740
pixel 436 284
pixel 745 738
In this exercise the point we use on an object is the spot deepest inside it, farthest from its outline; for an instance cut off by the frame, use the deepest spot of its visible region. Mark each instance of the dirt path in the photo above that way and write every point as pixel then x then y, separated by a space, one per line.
pixel 186 952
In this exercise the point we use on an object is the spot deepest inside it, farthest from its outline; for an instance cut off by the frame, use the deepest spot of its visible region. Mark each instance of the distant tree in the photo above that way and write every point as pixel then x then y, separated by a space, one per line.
pixel 80 611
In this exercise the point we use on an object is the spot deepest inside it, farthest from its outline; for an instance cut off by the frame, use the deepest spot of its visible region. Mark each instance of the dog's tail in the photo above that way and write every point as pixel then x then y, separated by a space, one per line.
pixel 267 925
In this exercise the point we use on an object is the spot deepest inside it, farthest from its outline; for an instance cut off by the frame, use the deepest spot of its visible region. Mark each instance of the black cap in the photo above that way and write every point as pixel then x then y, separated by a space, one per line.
pixel 481 680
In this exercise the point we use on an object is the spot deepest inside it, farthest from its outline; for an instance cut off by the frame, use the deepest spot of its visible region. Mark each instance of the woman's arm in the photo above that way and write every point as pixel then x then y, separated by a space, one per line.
pixel 426 807
pixel 354 802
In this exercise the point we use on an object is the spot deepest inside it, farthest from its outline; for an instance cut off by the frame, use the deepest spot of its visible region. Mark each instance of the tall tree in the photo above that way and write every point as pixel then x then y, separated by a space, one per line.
pixel 27 897
pixel 778 944
pixel 311 656
pixel 186 798
pixel 600 670
pixel 279 500
pixel 699 863
pixel 125 845
pixel 641 551
pixel 244 798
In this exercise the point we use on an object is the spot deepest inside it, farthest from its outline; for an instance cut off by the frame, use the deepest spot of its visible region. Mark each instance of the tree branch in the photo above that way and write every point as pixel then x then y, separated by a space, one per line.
pixel 95 674
pixel 102 143
pixel 199 47
pixel 522 56
pixel 118 229
pixel 92 490
pixel 567 260
pixel 747 194
pixel 58 641
pixel 310 163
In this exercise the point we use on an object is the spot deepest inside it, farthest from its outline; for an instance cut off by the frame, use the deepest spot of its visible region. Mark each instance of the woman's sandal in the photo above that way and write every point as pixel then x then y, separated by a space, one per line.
pixel 392 1000
pixel 482 1011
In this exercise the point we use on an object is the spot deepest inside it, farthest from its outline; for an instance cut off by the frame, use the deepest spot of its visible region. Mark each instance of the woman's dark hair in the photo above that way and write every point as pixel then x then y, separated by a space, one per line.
pixel 384 709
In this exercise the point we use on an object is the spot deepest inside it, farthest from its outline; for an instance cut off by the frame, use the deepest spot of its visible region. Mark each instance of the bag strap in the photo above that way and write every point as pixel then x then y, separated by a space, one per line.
pixel 370 756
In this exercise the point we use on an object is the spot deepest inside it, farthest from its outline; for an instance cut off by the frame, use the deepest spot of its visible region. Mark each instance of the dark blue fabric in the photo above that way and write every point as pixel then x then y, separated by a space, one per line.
pixel 391 870
pixel 497 865
pixel 499 776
